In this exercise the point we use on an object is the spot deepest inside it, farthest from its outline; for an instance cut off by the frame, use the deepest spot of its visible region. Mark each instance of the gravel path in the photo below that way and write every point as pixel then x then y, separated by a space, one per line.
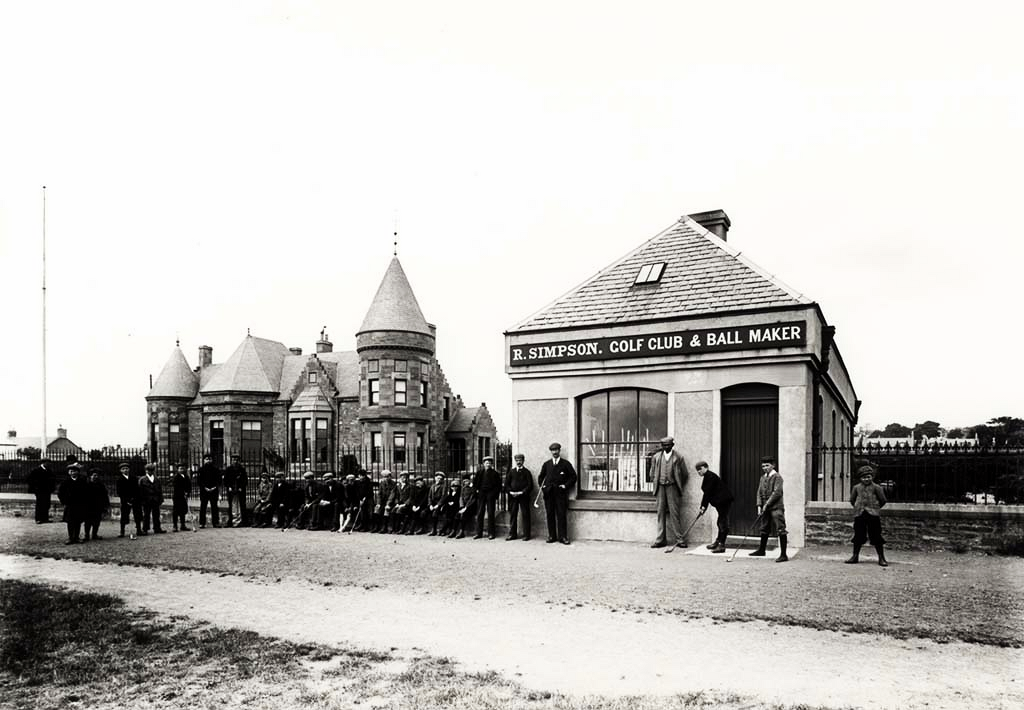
pixel 603 618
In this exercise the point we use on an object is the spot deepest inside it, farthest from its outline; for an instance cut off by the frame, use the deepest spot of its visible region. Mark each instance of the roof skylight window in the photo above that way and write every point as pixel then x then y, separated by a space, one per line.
pixel 650 273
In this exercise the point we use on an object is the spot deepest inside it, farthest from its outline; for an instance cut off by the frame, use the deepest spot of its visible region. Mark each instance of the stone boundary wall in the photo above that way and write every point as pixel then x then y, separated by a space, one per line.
pixel 921 526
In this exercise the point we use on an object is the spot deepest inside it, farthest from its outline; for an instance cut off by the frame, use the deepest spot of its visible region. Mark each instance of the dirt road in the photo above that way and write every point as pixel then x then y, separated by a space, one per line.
pixel 568 646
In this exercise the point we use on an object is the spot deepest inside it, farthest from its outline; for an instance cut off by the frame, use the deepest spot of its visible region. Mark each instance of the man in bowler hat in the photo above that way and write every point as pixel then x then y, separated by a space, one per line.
pixel 74 494
pixel 669 474
pixel 518 486
pixel 556 479
pixel 488 486
pixel 41 483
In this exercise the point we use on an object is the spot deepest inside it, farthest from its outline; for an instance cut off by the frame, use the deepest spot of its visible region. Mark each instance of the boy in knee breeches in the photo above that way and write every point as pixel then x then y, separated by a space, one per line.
pixel 867 499
pixel 771 508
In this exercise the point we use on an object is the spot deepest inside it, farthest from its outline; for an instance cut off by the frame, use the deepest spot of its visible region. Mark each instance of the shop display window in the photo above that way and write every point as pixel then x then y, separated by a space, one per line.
pixel 619 432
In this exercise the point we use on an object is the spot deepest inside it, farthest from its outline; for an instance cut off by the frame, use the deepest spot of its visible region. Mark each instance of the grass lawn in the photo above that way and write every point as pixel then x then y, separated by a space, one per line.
pixel 67 649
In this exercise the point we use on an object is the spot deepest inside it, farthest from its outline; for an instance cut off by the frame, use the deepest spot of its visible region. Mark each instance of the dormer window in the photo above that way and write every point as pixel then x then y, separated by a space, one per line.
pixel 650 273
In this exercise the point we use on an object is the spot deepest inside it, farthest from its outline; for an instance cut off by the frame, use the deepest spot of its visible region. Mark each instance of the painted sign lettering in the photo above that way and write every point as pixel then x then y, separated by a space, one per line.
pixel 747 337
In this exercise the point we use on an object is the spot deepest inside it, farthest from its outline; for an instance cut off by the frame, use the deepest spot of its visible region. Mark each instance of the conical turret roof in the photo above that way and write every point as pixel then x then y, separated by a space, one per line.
pixel 176 379
pixel 395 306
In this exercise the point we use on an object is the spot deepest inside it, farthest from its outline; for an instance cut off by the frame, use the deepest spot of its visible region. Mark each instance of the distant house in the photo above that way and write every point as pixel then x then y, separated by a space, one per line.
pixel 58 446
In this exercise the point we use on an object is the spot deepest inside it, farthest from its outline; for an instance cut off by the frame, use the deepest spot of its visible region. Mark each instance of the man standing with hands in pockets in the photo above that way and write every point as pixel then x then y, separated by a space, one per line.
pixel 669 473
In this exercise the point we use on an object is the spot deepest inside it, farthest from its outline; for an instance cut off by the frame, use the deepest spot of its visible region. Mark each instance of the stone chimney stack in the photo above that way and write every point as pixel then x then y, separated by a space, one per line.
pixel 205 356
pixel 62 433
pixel 12 433
pixel 716 221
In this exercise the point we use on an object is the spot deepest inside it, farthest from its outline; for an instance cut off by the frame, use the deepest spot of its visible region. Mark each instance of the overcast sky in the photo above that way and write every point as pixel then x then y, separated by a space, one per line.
pixel 215 167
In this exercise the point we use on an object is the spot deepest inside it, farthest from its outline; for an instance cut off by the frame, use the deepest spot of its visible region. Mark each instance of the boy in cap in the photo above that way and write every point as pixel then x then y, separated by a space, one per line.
pixel 152 494
pixel 74 494
pixel 771 508
pixel 435 501
pixel 181 489
pixel 867 499
pixel 127 489
pixel 488 488
pixel 382 513
pixel 668 471
pixel 717 495
pixel 263 510
pixel 467 507
pixel 450 507
pixel 556 479
pixel 518 486
pixel 97 504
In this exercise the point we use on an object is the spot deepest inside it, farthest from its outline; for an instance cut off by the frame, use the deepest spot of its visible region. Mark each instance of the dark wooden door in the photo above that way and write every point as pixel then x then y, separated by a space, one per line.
pixel 750 430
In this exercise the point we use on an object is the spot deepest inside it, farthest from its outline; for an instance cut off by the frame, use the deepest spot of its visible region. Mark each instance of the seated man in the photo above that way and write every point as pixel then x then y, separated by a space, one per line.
pixel 435 502
pixel 327 513
pixel 416 521
pixel 310 503
pixel 382 511
pixel 400 503
pixel 280 501
pixel 263 512
pixel 450 507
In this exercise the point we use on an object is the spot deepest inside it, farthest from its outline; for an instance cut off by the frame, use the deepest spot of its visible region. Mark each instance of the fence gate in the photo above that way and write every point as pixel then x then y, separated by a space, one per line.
pixel 750 430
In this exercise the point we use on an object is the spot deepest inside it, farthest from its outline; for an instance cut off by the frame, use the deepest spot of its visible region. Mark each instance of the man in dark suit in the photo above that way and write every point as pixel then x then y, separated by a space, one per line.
pixel 74 494
pixel 330 493
pixel 209 490
pixel 467 507
pixel 382 513
pixel 280 500
pixel 181 489
pixel 717 495
pixel 152 494
pixel 235 481
pixel 556 479
pixel 668 471
pixel 518 486
pixel 435 501
pixel 41 483
pixel 128 492
pixel 488 486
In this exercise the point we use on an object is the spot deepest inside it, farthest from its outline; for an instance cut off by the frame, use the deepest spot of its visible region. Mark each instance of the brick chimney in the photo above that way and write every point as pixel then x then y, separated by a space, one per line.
pixel 716 221
pixel 205 356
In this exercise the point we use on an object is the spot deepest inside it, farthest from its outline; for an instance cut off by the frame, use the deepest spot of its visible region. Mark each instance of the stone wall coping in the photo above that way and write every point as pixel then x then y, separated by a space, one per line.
pixel 926 510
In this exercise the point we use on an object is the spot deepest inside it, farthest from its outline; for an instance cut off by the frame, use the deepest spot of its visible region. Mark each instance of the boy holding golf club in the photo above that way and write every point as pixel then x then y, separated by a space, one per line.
pixel 717 495
pixel 770 508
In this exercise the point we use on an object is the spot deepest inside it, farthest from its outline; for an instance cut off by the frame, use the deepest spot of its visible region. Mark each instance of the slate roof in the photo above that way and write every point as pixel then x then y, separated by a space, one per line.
pixel 255 366
pixel 463 419
pixel 346 378
pixel 703 275
pixel 395 306
pixel 176 379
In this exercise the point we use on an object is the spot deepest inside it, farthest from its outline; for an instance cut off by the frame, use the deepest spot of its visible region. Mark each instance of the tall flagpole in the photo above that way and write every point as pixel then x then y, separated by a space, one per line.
pixel 42 448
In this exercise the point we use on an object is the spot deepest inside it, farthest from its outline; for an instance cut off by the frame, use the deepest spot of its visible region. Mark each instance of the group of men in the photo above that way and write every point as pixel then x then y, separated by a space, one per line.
pixel 409 505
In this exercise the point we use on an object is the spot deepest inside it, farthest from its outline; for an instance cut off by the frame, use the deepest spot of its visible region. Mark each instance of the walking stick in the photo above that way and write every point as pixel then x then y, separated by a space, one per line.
pixel 730 559
pixel 687 531
pixel 536 501
pixel 355 520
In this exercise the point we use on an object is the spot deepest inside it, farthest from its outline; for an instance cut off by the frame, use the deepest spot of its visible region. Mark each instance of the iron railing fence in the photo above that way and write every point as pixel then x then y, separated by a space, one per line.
pixel 923 473
pixel 14 469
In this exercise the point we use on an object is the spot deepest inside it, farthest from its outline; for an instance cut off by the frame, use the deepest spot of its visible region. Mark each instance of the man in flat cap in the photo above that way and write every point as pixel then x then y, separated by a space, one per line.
pixel 127 489
pixel 556 479
pixel 771 508
pixel 488 487
pixel 518 487
pixel 435 501
pixel 668 471
pixel 152 494
pixel 382 511
pixel 310 503
pixel 74 494
pixel 280 501
pixel 97 504
pixel 330 493
pixel 717 495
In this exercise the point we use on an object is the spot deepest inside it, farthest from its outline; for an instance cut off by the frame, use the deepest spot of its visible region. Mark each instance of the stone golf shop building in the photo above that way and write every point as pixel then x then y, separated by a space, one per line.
pixel 683 336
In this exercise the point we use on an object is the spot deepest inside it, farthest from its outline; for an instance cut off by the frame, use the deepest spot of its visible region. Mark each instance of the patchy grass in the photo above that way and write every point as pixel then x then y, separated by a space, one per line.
pixel 66 649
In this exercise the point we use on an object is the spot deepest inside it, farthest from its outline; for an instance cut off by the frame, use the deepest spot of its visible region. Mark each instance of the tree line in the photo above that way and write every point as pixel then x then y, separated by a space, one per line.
pixel 998 431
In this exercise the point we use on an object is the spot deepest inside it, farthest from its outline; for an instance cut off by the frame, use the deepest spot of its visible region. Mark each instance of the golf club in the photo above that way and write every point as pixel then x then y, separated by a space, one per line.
pixel 686 532
pixel 731 558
